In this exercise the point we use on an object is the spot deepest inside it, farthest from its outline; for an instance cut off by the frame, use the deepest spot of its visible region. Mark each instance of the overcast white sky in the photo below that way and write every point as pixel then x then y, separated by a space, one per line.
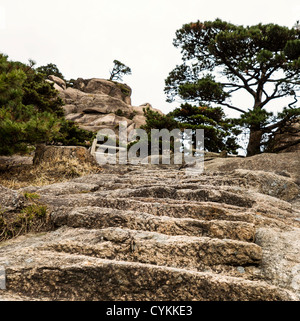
pixel 84 37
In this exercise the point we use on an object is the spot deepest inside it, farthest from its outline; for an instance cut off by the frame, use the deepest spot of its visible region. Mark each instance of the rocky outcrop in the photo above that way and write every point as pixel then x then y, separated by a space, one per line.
pixel 15 160
pixel 154 233
pixel 96 104
pixel 59 83
pixel 44 153
pixel 106 87
pixel 287 139
pixel 283 164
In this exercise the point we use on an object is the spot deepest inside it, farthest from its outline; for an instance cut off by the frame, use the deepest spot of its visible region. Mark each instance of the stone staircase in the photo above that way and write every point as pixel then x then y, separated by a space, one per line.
pixel 148 233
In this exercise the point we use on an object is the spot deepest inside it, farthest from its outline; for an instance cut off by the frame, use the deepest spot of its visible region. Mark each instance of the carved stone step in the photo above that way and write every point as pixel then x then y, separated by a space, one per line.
pixel 62 276
pixel 154 248
pixel 154 206
pixel 102 217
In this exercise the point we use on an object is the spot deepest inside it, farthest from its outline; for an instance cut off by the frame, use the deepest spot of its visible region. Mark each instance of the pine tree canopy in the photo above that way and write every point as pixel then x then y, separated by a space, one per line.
pixel 221 59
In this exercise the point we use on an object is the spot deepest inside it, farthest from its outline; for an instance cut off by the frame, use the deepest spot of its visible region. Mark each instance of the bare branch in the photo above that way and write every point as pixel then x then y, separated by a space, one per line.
pixel 296 73
pixel 274 126
pixel 233 90
pixel 232 85
pixel 232 107
pixel 273 96
pixel 239 75
pixel 293 102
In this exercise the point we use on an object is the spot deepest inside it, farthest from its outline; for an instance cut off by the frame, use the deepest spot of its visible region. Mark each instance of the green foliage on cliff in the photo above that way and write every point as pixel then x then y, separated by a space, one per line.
pixel 28 108
pixel 50 69
pixel 31 110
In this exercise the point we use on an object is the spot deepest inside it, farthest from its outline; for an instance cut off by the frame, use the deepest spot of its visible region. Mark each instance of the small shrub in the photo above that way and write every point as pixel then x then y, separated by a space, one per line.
pixel 71 135
pixel 131 116
pixel 31 218
pixel 35 210
pixel 125 91
pixel 119 112
pixel 31 196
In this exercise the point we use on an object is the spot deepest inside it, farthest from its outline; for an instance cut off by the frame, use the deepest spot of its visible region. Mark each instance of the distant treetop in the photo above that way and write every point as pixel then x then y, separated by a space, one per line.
pixel 50 69
pixel 119 70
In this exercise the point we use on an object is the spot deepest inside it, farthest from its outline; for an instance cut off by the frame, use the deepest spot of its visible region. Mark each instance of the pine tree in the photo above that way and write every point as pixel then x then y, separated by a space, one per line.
pixel 31 111
pixel 21 125
pixel 221 59
pixel 119 70
pixel 50 69
pixel 219 133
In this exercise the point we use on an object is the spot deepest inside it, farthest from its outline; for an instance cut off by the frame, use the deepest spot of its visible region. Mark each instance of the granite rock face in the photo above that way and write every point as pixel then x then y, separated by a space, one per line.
pixel 155 233
pixel 96 104
pixel 106 87
pixel 283 164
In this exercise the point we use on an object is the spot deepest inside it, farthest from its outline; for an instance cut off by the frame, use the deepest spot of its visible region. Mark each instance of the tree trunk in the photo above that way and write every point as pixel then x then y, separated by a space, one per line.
pixel 253 147
pixel 256 133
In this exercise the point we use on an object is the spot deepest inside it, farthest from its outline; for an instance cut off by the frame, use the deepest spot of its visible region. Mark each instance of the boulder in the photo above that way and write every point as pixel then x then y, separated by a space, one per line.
pixel 104 104
pixel 15 160
pixel 58 81
pixel 285 164
pixel 71 95
pixel 69 109
pixel 139 120
pixel 103 86
pixel 56 86
pixel 50 153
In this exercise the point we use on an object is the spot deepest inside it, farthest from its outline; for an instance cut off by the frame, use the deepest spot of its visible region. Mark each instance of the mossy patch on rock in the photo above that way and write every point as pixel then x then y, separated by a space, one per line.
pixel 33 217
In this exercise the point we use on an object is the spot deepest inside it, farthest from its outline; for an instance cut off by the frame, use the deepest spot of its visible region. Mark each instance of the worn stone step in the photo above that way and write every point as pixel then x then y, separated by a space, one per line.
pixel 205 194
pixel 181 208
pixel 117 188
pixel 155 248
pixel 6 295
pixel 152 233
pixel 102 217
pixel 61 276
pixel 154 206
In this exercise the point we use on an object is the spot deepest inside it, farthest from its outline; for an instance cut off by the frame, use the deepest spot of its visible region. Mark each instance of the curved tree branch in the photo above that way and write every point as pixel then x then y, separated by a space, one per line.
pixel 232 107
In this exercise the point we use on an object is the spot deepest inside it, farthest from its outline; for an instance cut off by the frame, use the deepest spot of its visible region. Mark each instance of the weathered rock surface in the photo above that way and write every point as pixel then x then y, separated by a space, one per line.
pixel 154 233
pixel 288 138
pixel 107 87
pixel 283 164
pixel 9 199
pixel 58 81
pixel 49 153
pixel 15 160
pixel 96 104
